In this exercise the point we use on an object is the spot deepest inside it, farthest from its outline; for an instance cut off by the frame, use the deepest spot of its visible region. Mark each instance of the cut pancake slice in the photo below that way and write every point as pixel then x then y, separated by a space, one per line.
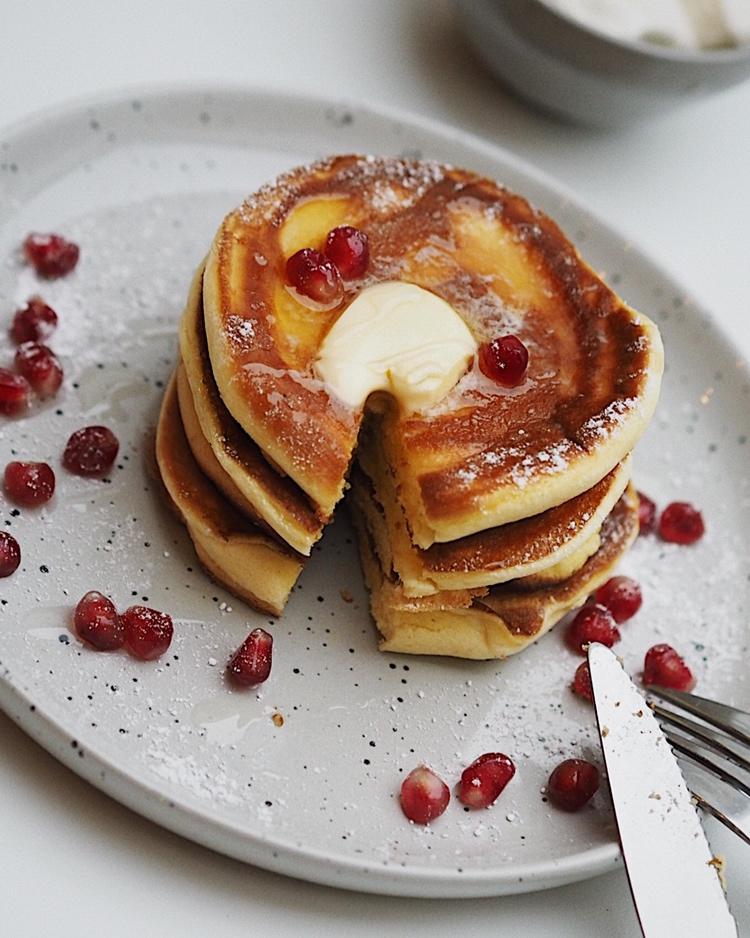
pixel 250 563
pixel 271 497
pixel 485 455
pixel 502 621
pixel 550 546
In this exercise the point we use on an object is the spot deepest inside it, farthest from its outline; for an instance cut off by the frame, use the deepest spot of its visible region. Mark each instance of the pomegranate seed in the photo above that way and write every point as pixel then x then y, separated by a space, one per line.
pixel 680 523
pixel 90 451
pixel 646 514
pixel 97 623
pixel 622 596
pixel 505 360
pixel 41 368
pixel 29 483
pixel 10 554
pixel 424 795
pixel 34 323
pixel 148 632
pixel 663 666
pixel 14 393
pixel 50 255
pixel 349 249
pixel 251 663
pixel 315 276
pixel 593 623
pixel 483 781
pixel 582 682
pixel 572 784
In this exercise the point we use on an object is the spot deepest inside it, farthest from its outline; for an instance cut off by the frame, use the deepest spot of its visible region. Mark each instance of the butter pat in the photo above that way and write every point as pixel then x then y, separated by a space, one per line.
pixel 395 337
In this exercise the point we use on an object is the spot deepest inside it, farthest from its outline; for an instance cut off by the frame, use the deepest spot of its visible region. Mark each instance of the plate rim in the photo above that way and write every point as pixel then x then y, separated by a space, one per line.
pixel 284 856
pixel 410 881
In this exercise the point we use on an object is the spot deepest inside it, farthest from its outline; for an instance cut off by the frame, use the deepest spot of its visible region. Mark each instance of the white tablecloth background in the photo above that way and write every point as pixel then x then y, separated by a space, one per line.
pixel 74 863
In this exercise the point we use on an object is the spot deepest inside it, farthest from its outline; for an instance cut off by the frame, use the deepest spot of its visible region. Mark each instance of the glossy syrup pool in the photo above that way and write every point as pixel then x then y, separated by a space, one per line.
pixel 143 201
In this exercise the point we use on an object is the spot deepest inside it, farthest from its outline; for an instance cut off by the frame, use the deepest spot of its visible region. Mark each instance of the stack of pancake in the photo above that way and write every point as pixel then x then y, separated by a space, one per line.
pixel 482 519
pixel 250 524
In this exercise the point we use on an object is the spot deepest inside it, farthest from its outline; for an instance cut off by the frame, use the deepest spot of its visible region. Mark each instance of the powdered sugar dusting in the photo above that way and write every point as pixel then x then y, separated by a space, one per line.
pixel 240 330
pixel 389 180
pixel 523 467
pixel 553 460
pixel 605 423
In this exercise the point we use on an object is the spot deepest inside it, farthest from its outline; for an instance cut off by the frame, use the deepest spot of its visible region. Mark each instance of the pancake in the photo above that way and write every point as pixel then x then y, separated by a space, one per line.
pixel 549 546
pixel 251 564
pixel 414 583
pixel 204 455
pixel 495 622
pixel 273 499
pixel 484 456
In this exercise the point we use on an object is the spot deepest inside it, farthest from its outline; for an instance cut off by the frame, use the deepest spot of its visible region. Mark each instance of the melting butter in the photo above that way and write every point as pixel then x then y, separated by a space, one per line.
pixel 396 337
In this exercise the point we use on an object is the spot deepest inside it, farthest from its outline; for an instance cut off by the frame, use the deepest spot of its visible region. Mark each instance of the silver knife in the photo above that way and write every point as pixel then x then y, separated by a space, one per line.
pixel 672 872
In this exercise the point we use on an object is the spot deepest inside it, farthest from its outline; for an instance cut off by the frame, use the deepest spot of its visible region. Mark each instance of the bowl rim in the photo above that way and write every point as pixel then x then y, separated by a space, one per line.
pixel 701 57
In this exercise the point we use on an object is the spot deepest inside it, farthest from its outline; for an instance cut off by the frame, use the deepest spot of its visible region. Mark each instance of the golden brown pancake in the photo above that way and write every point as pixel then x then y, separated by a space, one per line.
pixel 250 563
pixel 399 556
pixel 204 455
pixel 489 623
pixel 549 546
pixel 485 456
pixel 274 499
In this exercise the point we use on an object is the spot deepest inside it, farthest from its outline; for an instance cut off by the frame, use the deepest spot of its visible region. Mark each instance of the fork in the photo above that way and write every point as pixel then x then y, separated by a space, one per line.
pixel 709 750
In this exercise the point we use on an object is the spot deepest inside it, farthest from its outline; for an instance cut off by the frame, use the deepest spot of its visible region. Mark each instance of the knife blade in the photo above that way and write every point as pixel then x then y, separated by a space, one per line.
pixel 670 866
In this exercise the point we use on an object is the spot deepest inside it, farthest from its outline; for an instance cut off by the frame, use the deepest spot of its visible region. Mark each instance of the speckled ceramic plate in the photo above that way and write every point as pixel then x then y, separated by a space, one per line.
pixel 141 183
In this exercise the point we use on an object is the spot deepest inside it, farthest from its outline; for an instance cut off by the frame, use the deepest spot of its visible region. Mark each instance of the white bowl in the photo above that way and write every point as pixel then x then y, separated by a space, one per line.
pixel 580 73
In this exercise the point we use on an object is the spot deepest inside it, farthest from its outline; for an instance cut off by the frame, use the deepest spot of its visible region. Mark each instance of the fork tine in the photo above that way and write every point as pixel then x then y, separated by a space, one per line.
pixel 729 721
pixel 684 746
pixel 705 805
pixel 702 732
pixel 732 721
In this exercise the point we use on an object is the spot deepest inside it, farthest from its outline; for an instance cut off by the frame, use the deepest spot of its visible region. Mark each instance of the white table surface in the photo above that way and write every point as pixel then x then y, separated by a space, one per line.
pixel 75 863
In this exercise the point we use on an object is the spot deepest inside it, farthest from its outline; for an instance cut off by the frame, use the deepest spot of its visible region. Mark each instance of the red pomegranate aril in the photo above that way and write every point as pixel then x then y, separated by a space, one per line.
pixel 483 781
pixel 34 323
pixel 29 483
pixel 663 666
pixel 593 623
pixel 681 523
pixel 572 784
pixel 14 393
pixel 10 554
pixel 51 255
pixel 250 665
pixel 622 596
pixel 581 685
pixel 424 795
pixel 148 632
pixel 299 263
pixel 315 276
pixel 41 368
pixel 646 514
pixel 90 451
pixel 349 249
pixel 96 622
pixel 504 360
